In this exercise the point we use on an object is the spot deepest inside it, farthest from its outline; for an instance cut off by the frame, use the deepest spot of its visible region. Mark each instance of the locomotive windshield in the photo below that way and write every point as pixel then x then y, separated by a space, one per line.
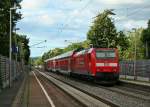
pixel 105 54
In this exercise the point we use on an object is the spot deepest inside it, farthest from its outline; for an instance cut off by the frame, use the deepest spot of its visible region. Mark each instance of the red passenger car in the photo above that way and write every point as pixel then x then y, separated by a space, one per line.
pixel 61 63
pixel 98 63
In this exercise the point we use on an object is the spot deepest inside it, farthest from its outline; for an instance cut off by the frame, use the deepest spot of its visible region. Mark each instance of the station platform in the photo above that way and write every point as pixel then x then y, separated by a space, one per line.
pixel 26 92
pixel 130 80
pixel 7 95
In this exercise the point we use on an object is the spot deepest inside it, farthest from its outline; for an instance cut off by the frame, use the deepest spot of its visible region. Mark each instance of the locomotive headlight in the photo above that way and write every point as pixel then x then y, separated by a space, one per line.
pixel 113 64
pixel 99 64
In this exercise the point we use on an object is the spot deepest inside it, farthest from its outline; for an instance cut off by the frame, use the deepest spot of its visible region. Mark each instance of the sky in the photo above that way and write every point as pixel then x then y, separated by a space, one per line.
pixel 60 20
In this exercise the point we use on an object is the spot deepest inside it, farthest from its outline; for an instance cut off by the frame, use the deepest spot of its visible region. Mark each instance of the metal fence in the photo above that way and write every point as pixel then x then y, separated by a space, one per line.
pixel 139 71
pixel 16 69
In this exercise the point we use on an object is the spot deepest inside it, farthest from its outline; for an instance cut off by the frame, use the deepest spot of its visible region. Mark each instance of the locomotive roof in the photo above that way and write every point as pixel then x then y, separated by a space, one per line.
pixel 67 54
pixel 70 53
pixel 89 50
pixel 84 51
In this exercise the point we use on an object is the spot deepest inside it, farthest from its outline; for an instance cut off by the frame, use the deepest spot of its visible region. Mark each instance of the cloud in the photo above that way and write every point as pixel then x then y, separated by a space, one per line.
pixel 34 4
pixel 120 18
pixel 45 20
pixel 59 20
pixel 42 20
pixel 118 2
pixel 135 24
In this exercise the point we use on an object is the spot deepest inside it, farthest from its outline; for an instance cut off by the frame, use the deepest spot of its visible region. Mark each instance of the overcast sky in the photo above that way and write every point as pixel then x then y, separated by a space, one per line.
pixel 60 20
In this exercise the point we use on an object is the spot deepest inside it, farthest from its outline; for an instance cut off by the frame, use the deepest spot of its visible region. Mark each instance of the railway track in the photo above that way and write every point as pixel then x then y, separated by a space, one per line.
pixel 82 96
pixel 56 95
pixel 127 90
pixel 120 95
pixel 131 92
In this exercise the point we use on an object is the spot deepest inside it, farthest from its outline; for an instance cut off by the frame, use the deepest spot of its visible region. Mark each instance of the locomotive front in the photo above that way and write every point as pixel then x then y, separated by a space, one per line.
pixel 107 64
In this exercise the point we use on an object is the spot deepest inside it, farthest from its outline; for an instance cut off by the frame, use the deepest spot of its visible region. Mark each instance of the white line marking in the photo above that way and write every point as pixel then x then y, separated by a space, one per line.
pixel 46 94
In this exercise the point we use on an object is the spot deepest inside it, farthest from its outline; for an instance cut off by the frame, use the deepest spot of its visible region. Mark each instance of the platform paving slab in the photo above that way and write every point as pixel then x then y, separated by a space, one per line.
pixel 8 95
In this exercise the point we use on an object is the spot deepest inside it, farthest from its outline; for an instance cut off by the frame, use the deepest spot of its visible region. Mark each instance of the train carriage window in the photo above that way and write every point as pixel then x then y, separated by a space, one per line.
pixel 105 54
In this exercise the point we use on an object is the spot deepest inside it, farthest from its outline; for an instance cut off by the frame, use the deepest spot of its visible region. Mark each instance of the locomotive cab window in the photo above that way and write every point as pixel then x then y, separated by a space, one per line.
pixel 105 54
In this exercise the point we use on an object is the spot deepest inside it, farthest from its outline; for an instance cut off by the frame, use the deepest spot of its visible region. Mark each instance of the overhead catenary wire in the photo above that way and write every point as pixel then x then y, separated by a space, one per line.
pixel 78 11
pixel 137 10
pixel 38 43
pixel 129 13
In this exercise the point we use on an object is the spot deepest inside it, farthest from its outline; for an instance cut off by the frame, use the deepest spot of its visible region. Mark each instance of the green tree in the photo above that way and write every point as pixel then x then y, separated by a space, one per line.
pixel 103 32
pixel 24 49
pixel 134 38
pixel 58 51
pixel 45 56
pixel 22 40
pixel 123 42
pixel 73 46
pixel 5 6
pixel 38 61
pixel 55 52
pixel 146 39
pixel 52 53
pixel 86 44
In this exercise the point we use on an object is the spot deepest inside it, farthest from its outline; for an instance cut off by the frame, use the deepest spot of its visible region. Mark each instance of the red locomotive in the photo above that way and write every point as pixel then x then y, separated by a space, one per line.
pixel 98 63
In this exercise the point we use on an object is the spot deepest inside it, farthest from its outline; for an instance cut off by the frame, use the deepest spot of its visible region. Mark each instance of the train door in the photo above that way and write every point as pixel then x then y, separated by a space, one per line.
pixel 72 63
pixel 88 62
pixel 54 65
pixel 69 65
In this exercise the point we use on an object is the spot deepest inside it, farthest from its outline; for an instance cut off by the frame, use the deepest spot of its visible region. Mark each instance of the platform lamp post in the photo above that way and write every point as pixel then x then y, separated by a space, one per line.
pixel 10 43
